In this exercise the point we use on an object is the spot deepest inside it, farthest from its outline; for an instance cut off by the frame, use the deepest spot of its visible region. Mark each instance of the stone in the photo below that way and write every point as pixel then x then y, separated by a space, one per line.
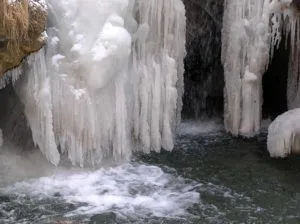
pixel 204 76
pixel 22 29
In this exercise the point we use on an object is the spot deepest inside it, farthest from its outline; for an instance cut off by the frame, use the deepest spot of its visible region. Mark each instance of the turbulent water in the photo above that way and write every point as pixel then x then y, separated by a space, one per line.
pixel 98 94
pixel 210 177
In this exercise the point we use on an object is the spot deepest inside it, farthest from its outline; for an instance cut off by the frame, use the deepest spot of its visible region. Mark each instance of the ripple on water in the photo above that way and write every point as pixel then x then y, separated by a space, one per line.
pixel 130 190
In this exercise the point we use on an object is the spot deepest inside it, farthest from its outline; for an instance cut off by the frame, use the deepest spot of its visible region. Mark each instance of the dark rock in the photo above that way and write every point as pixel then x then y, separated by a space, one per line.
pixel 296 4
pixel 105 218
pixel 204 78
pixel 4 198
pixel 56 194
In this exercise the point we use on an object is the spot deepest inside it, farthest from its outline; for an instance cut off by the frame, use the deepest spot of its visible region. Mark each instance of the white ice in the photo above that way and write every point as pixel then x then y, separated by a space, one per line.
pixel 109 81
pixel 245 56
pixel 252 30
pixel 284 134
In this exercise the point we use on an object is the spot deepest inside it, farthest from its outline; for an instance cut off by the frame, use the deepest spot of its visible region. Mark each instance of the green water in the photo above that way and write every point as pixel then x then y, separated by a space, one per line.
pixel 255 188
pixel 235 180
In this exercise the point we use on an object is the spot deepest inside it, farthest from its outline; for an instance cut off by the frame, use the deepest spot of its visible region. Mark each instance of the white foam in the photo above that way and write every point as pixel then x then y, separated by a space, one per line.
pixel 192 127
pixel 130 189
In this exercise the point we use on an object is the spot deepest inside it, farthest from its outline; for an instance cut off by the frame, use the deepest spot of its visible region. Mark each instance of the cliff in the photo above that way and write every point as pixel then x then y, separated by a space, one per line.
pixel 22 25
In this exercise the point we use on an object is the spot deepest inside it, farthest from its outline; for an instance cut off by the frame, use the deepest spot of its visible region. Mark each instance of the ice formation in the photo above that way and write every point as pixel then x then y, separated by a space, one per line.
pixel 251 31
pixel 109 81
pixel 284 134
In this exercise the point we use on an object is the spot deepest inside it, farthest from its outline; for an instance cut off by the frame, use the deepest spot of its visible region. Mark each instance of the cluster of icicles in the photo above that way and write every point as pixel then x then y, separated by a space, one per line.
pixel 251 31
pixel 108 82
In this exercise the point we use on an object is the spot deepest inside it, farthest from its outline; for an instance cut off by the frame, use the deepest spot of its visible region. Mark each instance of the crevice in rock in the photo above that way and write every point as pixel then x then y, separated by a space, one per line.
pixel 12 119
pixel 275 83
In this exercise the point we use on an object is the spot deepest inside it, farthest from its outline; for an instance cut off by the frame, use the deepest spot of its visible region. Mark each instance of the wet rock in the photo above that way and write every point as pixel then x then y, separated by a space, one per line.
pixel 56 194
pixel 203 78
pixel 4 199
pixel 105 218
pixel 296 4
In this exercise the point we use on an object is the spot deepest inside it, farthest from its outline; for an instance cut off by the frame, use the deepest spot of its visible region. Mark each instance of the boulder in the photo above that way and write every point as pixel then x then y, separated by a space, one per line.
pixel 22 26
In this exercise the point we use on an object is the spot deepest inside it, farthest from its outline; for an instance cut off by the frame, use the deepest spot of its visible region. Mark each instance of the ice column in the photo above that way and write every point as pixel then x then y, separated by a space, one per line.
pixel 251 29
pixel 284 132
pixel 159 50
pixel 292 24
pixel 110 80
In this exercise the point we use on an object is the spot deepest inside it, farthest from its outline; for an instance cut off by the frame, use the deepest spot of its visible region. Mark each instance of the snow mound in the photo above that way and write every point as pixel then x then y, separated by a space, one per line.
pixel 284 134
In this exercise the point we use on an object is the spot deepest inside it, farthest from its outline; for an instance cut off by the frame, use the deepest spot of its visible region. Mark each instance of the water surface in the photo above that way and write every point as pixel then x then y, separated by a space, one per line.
pixel 210 177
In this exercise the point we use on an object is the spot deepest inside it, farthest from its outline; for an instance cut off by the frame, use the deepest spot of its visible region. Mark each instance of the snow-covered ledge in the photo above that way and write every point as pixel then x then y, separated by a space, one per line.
pixel 284 134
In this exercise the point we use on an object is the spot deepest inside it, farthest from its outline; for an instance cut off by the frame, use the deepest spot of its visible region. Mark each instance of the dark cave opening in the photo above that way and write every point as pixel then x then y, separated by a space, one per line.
pixel 204 76
pixel 274 83
pixel 5 94
pixel 12 119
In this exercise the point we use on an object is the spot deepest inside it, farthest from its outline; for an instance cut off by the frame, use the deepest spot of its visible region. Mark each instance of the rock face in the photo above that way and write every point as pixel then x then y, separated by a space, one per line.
pixel 22 23
pixel 204 77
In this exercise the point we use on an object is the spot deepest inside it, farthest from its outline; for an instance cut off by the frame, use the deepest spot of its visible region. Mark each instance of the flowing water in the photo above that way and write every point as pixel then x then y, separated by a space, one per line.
pixel 210 177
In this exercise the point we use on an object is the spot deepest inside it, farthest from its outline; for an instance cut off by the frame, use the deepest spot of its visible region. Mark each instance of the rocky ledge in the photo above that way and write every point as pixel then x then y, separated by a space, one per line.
pixel 22 26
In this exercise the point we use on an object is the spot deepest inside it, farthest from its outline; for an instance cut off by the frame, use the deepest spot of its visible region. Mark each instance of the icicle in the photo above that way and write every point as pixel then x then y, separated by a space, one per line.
pixel 245 51
pixel 11 76
pixel 34 91
pixel 159 73
pixel 251 31
pixel 111 86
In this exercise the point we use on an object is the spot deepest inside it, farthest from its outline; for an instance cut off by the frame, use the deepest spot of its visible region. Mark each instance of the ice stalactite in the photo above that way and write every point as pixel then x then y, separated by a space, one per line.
pixel 284 132
pixel 34 91
pixel 252 29
pixel 157 103
pixel 245 54
pixel 110 80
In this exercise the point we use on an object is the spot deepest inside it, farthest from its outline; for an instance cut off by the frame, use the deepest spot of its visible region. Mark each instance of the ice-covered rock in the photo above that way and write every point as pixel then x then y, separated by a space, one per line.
pixel 21 32
pixel 284 134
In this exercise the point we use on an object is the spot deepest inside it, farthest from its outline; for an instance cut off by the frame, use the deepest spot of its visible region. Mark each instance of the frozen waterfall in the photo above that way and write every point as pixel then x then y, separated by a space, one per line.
pixel 109 81
pixel 251 31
